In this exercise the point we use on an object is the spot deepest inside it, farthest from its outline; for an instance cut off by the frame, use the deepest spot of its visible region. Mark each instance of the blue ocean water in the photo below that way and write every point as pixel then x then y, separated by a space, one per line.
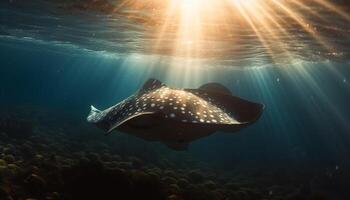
pixel 51 63
pixel 306 113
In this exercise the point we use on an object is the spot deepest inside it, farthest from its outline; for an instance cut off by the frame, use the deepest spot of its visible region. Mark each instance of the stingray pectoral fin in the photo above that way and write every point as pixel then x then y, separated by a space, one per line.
pixel 215 88
pixel 250 112
pixel 232 128
pixel 151 84
pixel 245 111
pixel 178 146
pixel 127 119
pixel 145 121
pixel 242 110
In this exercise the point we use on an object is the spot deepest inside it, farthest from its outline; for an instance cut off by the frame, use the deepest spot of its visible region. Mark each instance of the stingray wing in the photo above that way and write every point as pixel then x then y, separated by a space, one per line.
pixel 244 111
pixel 140 119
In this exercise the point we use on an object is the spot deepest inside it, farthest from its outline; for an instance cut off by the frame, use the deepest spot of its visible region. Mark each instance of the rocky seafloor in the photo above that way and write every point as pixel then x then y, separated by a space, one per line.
pixel 44 158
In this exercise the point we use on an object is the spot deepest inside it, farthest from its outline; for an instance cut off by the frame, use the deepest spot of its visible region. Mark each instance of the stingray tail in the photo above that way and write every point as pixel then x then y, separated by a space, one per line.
pixel 94 115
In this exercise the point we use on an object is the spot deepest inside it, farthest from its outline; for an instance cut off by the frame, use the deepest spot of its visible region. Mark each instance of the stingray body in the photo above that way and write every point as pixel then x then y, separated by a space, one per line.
pixel 177 116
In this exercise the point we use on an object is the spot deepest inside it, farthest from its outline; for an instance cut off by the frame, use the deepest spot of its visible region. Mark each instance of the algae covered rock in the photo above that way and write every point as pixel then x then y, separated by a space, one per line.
pixel 174 189
pixel 183 183
pixel 198 193
pixel 89 181
pixel 136 162
pixel 169 180
pixel 209 184
pixel 5 193
pixel 146 186
pixel 125 165
pixel 170 173
pixel 174 197
pixel 9 158
pixel 195 176
pixel 35 184
pixel 3 163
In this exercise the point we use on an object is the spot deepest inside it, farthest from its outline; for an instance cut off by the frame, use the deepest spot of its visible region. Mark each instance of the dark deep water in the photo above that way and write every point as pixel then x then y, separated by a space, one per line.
pixel 53 69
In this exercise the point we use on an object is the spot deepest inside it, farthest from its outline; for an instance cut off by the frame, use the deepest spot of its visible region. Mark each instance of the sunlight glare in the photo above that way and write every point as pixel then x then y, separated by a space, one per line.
pixel 211 28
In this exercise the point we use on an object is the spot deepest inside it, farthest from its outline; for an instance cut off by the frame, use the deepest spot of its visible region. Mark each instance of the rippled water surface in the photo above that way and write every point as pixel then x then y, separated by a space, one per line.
pixel 304 31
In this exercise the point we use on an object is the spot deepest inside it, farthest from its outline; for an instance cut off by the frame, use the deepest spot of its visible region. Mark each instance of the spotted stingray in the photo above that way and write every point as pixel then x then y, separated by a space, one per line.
pixel 177 116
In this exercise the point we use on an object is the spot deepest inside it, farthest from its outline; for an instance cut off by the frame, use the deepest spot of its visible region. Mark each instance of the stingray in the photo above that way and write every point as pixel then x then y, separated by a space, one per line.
pixel 175 116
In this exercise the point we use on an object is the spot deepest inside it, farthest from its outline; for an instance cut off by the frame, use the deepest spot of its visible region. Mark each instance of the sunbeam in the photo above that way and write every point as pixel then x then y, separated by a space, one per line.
pixel 211 29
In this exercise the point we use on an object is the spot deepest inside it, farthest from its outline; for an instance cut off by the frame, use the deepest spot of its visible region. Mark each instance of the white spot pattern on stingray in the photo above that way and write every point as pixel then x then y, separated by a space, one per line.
pixel 177 104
